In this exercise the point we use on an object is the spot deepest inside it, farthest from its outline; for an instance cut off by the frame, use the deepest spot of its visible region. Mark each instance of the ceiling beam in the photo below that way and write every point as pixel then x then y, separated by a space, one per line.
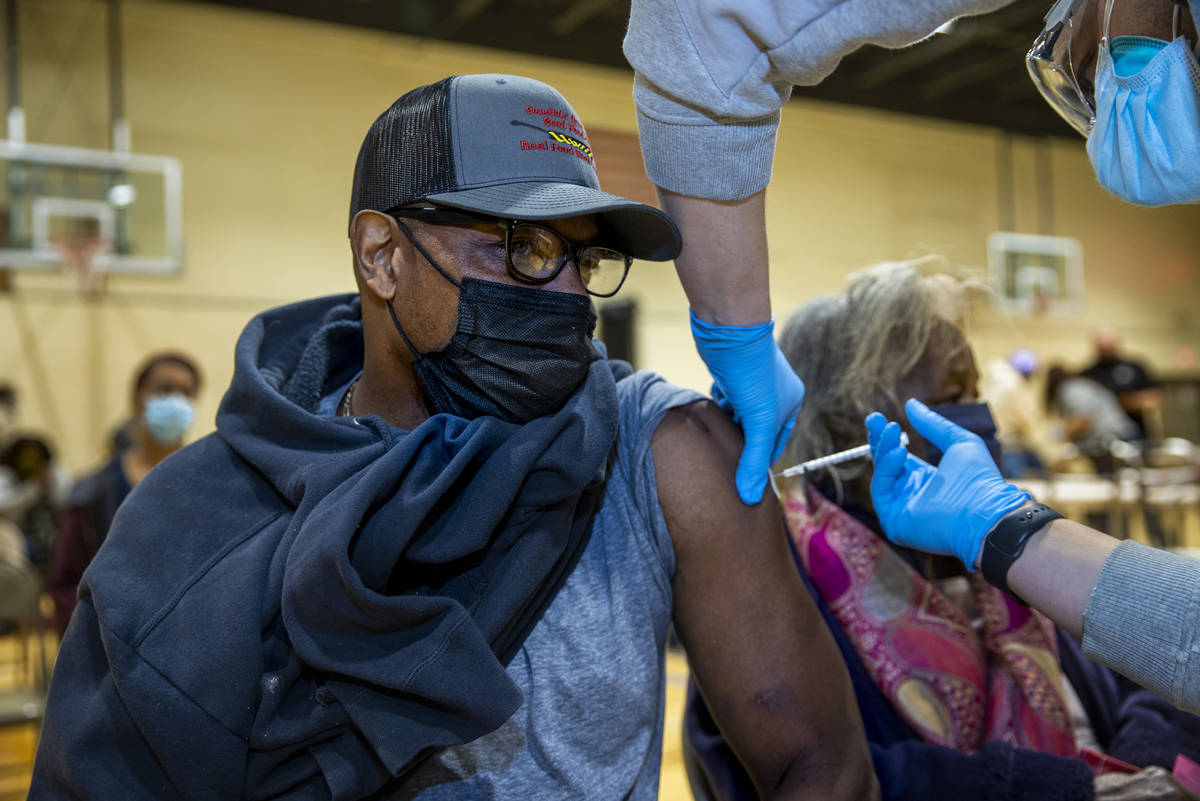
pixel 894 65
pixel 579 13
pixel 964 77
pixel 467 10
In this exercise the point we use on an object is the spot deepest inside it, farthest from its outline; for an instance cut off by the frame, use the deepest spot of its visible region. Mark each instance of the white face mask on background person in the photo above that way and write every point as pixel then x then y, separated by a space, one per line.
pixel 168 417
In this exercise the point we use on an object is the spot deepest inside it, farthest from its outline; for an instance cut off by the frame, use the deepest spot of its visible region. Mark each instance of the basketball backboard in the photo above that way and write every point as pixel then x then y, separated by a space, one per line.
pixel 55 200
pixel 1036 274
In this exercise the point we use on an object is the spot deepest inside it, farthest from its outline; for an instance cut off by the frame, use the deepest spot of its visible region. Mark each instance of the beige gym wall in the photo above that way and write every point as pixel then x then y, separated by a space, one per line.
pixel 266 114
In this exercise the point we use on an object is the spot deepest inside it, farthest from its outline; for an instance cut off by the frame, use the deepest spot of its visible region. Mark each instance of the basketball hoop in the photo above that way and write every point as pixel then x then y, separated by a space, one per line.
pixel 84 255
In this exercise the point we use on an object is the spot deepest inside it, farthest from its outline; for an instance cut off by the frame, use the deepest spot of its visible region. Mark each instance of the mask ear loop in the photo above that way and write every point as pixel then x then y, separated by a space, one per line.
pixel 396 322
pixel 420 249
pixel 425 253
pixel 1108 7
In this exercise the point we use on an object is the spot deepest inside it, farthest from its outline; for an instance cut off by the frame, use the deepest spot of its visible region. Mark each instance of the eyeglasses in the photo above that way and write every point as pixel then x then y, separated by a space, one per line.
pixel 537 254
pixel 1053 72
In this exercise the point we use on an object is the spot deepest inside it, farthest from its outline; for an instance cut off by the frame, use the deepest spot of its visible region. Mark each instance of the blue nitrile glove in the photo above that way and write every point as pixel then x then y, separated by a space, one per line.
pixel 948 509
pixel 754 382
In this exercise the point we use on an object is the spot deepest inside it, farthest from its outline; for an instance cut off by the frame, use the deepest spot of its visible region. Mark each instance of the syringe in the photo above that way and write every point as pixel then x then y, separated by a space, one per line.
pixel 832 459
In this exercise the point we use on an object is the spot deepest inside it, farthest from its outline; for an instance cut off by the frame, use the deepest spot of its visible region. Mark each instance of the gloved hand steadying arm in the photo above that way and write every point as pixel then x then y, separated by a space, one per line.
pixel 753 381
pixel 948 509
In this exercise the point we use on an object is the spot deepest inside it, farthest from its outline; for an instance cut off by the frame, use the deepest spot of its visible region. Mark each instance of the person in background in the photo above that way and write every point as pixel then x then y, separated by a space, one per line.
pixel 8 410
pixel 711 77
pixel 163 393
pixel 963 692
pixel 120 439
pixel 32 488
pixel 1128 379
pixel 32 484
pixel 1092 421
pixel 1092 417
pixel 1006 386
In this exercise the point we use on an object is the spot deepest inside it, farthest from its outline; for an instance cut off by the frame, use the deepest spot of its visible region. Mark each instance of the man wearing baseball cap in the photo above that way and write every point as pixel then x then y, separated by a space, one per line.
pixel 434 546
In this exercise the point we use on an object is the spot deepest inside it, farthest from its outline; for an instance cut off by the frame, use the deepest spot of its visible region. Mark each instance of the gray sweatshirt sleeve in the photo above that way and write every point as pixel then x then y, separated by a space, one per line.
pixel 1143 620
pixel 712 75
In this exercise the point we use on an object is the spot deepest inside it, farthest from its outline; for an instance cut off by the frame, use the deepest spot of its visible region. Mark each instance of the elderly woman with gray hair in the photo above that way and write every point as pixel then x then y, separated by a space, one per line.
pixel 964 693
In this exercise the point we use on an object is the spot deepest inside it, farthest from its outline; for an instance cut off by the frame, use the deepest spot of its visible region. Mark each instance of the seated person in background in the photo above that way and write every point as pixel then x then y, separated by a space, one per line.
pixel 964 693
pixel 1091 415
pixel 8 411
pixel 1007 388
pixel 32 485
pixel 1136 390
pixel 163 391
pixel 434 546
pixel 32 488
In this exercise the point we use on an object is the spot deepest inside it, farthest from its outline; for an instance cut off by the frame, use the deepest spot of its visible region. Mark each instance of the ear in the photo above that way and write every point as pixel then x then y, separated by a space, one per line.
pixel 374 240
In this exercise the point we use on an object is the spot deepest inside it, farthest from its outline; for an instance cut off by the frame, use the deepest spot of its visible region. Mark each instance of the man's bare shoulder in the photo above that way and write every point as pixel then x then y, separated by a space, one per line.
pixel 696 449
pixel 700 433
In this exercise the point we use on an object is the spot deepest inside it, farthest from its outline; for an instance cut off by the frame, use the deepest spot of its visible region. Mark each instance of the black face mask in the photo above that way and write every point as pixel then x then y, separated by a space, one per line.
pixel 976 418
pixel 516 354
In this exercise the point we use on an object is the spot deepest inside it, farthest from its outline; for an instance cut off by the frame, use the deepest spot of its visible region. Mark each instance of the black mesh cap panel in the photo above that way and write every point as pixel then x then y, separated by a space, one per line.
pixel 407 154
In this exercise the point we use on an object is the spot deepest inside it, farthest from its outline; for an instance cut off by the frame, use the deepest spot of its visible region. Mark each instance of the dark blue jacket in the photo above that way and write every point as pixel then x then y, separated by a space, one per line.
pixel 301 606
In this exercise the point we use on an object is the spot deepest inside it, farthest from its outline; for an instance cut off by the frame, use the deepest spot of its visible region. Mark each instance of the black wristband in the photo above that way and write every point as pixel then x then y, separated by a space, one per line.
pixel 1006 541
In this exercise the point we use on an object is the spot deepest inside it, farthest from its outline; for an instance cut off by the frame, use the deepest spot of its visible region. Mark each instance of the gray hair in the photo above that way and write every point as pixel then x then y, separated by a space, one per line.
pixel 851 351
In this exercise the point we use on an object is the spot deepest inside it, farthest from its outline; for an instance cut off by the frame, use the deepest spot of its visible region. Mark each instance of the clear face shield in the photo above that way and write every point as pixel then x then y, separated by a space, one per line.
pixel 1062 59
pixel 1057 59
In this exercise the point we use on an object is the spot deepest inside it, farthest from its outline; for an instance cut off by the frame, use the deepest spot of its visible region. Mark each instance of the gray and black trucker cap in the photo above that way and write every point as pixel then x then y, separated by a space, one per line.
pixel 502 145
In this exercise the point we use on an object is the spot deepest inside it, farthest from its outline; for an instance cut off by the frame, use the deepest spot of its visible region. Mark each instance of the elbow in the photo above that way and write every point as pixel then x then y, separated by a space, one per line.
pixel 847 775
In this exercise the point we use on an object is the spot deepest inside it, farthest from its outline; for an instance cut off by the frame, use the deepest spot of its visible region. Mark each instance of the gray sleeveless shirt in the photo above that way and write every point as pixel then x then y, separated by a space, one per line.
pixel 592 670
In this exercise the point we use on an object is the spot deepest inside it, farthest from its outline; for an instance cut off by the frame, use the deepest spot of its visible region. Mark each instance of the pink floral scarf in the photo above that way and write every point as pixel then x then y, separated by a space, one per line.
pixel 955 686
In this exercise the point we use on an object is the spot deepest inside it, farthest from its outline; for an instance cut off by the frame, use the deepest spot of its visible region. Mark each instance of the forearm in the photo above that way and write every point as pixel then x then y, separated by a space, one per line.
pixel 1058 570
pixel 1077 426
pixel 1135 608
pixel 723 265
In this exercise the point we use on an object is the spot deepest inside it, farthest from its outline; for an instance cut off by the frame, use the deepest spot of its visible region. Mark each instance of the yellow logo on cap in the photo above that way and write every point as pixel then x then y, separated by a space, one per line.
pixel 571 141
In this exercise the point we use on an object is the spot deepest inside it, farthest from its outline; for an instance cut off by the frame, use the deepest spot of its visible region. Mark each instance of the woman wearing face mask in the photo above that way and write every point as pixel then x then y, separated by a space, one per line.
pixel 963 693
pixel 163 395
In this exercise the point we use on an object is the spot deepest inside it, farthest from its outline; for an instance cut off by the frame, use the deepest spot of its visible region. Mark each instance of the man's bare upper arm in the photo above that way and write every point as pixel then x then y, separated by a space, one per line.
pixel 757 645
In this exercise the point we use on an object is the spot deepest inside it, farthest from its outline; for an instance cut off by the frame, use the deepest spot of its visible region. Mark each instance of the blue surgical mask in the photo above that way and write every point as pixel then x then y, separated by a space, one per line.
pixel 1145 146
pixel 168 417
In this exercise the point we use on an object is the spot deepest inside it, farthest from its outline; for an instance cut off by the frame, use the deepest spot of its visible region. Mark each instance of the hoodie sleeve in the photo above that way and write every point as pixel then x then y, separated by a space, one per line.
pixel 90 746
pixel 712 75
pixel 914 771
pixel 116 726
pixel 1148 630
